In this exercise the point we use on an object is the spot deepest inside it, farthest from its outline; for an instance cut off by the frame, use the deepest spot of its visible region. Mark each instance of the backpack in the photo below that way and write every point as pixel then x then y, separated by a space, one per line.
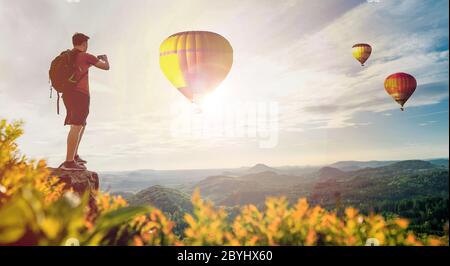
pixel 62 73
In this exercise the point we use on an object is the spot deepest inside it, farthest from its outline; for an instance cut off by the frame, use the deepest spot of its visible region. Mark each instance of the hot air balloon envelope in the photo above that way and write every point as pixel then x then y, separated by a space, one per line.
pixel 400 86
pixel 195 62
pixel 361 51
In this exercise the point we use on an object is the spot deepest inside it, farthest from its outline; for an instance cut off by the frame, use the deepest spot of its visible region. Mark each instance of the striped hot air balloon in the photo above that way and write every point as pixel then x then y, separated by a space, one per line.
pixel 400 86
pixel 195 62
pixel 361 51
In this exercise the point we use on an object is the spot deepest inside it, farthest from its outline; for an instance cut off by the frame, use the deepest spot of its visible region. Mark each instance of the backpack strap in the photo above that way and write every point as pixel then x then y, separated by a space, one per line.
pixel 57 104
pixel 82 77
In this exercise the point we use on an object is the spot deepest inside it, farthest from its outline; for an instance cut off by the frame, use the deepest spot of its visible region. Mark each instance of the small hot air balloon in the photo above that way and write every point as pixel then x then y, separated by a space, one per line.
pixel 400 86
pixel 361 51
pixel 195 62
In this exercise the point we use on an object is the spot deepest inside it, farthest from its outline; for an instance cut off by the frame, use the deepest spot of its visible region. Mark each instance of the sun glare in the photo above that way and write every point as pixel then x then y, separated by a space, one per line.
pixel 211 102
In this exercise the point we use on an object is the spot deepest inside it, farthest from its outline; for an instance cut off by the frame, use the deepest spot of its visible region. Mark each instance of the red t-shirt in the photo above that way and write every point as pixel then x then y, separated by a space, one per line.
pixel 83 61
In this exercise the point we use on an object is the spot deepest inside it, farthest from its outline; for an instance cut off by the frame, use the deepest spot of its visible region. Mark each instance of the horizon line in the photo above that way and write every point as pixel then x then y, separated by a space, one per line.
pixel 275 166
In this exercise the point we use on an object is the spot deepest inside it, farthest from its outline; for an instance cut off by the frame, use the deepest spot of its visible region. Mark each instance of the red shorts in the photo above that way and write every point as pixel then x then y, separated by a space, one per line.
pixel 77 108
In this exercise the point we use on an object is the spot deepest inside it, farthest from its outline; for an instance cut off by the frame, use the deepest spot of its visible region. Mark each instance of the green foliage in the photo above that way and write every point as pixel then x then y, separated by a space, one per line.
pixel 173 203
pixel 26 220
pixel 388 190
pixel 109 223
pixel 300 224
pixel 428 215
pixel 368 189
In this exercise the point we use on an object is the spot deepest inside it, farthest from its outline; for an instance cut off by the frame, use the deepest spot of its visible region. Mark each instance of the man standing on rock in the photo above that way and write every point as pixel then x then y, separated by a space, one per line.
pixel 76 100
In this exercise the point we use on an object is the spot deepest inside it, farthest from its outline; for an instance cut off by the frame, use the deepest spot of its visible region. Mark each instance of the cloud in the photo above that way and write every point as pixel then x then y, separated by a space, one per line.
pixel 429 114
pixel 427 123
pixel 326 85
pixel 294 53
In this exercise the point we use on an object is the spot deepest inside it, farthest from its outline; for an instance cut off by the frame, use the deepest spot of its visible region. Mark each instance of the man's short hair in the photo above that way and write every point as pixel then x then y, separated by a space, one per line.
pixel 79 38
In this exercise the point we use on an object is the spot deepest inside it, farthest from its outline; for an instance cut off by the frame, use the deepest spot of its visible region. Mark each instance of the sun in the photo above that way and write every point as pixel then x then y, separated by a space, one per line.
pixel 212 102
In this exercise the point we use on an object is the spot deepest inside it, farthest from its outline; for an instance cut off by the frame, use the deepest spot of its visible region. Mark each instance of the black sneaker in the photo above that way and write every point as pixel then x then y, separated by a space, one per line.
pixel 72 166
pixel 79 160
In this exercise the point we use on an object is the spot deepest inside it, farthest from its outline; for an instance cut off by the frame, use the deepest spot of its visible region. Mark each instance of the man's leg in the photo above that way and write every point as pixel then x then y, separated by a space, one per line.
pixel 72 141
pixel 79 139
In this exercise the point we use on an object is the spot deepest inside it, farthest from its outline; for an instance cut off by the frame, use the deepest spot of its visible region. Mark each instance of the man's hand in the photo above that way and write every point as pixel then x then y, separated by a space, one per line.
pixel 103 62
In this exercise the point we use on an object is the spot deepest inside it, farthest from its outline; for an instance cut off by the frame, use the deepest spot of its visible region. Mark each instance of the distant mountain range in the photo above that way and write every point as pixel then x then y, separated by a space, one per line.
pixel 396 181
pixel 328 173
pixel 321 186
pixel 218 188
pixel 134 181
pixel 259 168
pixel 380 185
pixel 355 165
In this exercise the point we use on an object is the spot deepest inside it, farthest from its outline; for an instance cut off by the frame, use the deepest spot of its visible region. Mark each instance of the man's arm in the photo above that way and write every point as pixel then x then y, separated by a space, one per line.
pixel 102 63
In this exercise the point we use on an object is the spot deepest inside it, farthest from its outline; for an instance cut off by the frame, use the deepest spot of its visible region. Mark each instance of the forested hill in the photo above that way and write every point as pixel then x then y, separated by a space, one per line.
pixel 174 203
pixel 398 181
pixel 166 199
pixel 415 189
pixel 421 187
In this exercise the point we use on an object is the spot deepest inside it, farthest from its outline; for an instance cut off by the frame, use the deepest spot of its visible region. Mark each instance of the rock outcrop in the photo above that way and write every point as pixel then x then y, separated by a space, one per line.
pixel 80 182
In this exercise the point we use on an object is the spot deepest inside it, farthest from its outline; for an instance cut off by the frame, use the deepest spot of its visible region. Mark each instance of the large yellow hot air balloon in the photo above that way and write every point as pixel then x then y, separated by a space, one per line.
pixel 400 86
pixel 361 51
pixel 195 62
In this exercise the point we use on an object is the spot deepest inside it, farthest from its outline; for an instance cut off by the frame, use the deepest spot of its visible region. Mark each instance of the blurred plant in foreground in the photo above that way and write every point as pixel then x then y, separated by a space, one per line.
pixel 36 210
pixel 301 225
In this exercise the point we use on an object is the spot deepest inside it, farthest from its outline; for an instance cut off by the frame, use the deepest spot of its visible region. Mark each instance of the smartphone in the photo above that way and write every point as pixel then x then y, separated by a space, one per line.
pixel 102 57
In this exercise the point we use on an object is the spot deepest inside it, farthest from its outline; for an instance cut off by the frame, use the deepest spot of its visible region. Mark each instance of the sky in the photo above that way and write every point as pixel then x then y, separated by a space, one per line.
pixel 294 95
